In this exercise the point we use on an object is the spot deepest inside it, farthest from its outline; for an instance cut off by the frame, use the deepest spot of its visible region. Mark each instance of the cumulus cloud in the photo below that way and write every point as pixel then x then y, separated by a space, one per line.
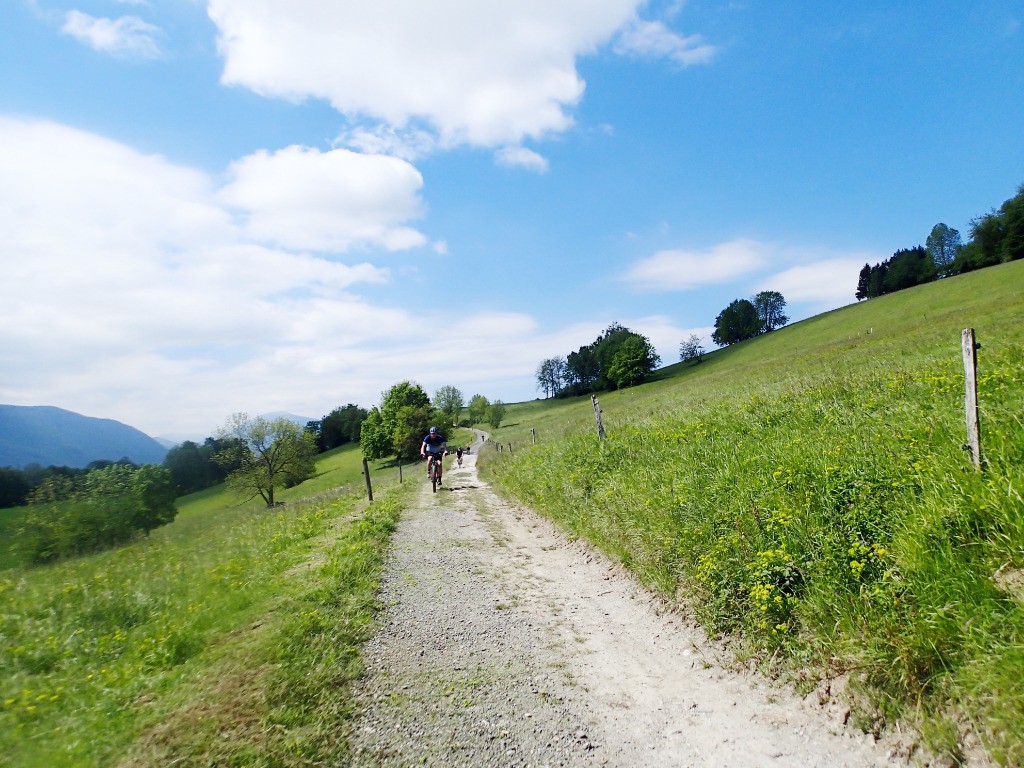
pixel 521 157
pixel 818 278
pixel 302 198
pixel 485 74
pixel 127 36
pixel 134 292
pixel 677 270
pixel 137 292
pixel 654 39
pixel 824 284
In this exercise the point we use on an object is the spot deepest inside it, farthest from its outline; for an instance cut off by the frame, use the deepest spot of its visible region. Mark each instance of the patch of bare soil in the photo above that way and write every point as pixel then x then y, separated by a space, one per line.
pixel 504 643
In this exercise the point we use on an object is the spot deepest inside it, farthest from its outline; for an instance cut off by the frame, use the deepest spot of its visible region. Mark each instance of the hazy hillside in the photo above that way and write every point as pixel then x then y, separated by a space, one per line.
pixel 47 435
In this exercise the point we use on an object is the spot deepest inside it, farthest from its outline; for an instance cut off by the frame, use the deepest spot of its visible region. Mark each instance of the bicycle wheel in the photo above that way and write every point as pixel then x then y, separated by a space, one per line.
pixel 433 476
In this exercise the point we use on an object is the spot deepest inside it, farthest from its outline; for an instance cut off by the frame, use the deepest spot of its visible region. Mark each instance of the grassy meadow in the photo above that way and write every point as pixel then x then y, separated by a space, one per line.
pixel 807 495
pixel 225 638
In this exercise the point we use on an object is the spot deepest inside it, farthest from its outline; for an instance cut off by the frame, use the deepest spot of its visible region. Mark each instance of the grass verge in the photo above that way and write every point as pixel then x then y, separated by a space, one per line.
pixel 225 639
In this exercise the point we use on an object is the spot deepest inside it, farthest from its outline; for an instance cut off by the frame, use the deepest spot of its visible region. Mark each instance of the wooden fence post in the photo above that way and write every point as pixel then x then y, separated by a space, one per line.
pixel 970 348
pixel 533 434
pixel 597 415
pixel 366 474
pixel 399 469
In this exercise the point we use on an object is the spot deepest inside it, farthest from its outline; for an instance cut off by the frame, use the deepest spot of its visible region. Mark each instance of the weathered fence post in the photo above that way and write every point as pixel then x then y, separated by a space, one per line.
pixel 533 434
pixel 597 415
pixel 366 474
pixel 510 447
pixel 399 469
pixel 970 348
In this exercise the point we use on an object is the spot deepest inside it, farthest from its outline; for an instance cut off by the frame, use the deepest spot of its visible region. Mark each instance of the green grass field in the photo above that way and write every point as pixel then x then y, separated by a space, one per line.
pixel 806 493
pixel 227 637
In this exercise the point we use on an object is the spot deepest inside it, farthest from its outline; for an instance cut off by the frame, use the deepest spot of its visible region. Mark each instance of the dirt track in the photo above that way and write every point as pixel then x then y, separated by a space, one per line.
pixel 503 643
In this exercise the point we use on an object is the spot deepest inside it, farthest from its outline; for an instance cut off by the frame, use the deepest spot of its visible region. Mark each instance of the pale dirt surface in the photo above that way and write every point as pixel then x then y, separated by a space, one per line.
pixel 505 644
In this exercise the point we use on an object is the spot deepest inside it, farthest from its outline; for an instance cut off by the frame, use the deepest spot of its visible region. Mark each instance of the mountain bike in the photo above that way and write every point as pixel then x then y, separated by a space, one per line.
pixel 434 470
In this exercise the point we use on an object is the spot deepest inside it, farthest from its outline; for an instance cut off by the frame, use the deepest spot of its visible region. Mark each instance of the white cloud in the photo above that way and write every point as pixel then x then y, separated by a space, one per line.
pixel 654 39
pixel 485 74
pixel 134 293
pixel 127 36
pixel 820 278
pixel 407 144
pixel 677 270
pixel 521 157
pixel 825 284
pixel 302 198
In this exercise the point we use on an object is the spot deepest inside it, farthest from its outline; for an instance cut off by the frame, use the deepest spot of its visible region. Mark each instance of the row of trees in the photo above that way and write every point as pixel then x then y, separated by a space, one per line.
pixel 337 428
pixel 194 466
pixel 617 358
pixel 396 427
pixel 75 514
pixel 996 237
pixel 746 318
pixel 907 267
pixel 17 485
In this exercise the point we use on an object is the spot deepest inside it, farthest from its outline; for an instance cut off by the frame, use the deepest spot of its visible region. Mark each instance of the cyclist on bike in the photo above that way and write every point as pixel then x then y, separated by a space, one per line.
pixel 433 449
pixel 458 455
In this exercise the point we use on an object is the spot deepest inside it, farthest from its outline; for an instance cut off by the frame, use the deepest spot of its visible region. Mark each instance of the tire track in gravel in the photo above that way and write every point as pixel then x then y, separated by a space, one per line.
pixel 503 643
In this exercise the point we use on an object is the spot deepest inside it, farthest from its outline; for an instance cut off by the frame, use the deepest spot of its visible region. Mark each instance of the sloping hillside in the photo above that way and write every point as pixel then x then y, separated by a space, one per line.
pixel 806 493
pixel 46 435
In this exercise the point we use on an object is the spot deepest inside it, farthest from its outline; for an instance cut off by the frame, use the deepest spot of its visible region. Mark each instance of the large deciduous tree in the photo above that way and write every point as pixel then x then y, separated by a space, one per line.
pixel 388 429
pixel 496 413
pixel 478 405
pixel 551 376
pixel 582 370
pixel 943 246
pixel 605 347
pixel 737 322
pixel 633 362
pixel 770 306
pixel 269 454
pixel 449 401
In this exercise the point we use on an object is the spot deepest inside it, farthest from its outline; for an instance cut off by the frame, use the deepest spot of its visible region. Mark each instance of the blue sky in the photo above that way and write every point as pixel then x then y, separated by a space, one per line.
pixel 289 205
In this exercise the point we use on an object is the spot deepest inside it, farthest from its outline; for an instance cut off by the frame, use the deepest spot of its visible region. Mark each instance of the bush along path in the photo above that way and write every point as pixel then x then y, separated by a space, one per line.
pixel 504 643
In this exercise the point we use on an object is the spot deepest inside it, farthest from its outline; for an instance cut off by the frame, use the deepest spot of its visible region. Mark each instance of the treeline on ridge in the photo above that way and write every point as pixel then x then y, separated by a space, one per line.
pixel 617 358
pixel 996 238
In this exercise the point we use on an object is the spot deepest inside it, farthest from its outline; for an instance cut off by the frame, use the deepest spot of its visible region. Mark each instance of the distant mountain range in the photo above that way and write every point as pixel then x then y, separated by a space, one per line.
pixel 46 435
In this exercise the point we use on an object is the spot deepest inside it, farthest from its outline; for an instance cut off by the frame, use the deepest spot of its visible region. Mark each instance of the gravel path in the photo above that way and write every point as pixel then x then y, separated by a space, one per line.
pixel 505 644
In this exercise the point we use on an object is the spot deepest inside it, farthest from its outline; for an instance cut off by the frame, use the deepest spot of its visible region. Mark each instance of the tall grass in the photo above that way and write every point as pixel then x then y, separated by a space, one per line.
pixel 814 501
pixel 234 618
